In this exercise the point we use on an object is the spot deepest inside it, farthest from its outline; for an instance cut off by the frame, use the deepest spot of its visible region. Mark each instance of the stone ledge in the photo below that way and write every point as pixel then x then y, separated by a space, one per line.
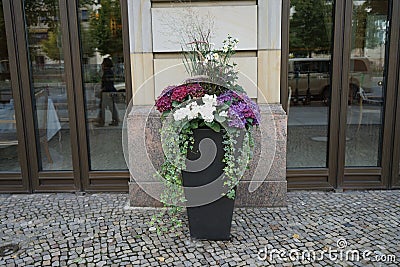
pixel 268 194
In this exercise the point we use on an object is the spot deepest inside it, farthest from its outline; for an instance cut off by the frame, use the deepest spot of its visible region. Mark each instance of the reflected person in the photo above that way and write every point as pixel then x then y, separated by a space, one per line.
pixel 106 96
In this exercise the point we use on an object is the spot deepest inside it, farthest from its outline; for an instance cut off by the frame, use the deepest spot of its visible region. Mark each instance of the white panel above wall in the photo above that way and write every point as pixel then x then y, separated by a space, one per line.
pixel 171 71
pixel 238 21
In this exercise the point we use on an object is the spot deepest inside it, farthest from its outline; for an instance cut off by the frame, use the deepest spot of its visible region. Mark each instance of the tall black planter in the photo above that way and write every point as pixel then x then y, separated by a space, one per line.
pixel 212 221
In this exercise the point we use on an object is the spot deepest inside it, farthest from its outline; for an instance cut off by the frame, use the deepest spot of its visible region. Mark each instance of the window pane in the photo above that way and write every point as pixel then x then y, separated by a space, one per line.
pixel 9 161
pixel 48 84
pixel 104 82
pixel 311 24
pixel 366 90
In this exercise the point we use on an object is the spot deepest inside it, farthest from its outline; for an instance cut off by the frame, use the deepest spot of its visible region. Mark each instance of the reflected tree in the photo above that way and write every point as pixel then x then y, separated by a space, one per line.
pixel 310 27
pixel 368 19
pixel 106 28
pixel 42 12
pixel 52 46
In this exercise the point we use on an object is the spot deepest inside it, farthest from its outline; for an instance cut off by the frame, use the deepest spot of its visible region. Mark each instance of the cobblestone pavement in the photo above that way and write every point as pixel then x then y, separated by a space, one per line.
pixel 100 230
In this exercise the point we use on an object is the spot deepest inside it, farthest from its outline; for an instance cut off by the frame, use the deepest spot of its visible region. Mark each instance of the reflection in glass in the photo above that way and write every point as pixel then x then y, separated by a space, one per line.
pixel 9 161
pixel 48 84
pixel 366 90
pixel 309 82
pixel 104 82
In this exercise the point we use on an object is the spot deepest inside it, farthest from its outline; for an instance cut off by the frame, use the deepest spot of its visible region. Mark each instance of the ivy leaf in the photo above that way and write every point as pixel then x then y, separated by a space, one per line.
pixel 219 118
pixel 213 125
pixel 194 124
pixel 165 114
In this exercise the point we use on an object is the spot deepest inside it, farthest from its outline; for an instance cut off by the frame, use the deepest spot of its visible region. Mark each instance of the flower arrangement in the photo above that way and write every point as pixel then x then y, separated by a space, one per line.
pixel 211 98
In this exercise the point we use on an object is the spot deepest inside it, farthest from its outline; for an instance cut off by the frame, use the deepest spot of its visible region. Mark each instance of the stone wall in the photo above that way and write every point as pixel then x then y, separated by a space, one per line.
pixel 146 155
pixel 154 44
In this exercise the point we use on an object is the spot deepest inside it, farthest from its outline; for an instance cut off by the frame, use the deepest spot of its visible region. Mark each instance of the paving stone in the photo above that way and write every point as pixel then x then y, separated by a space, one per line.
pixel 97 230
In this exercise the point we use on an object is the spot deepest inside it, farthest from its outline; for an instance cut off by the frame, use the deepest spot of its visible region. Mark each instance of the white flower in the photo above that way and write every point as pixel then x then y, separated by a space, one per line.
pixel 209 56
pixel 207 113
pixel 209 100
pixel 225 48
pixel 181 113
pixel 193 111
pixel 223 113
pixel 215 56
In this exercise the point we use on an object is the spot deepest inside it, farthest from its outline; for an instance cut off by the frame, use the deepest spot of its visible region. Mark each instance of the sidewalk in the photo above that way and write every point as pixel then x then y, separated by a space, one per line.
pixel 100 230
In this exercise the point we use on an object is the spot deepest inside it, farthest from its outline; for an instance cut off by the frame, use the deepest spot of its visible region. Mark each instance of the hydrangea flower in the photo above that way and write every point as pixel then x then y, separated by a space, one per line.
pixel 196 91
pixel 179 93
pixel 164 103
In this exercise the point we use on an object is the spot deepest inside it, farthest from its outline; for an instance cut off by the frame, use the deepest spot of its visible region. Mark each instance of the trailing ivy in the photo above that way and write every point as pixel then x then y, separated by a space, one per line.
pixel 237 146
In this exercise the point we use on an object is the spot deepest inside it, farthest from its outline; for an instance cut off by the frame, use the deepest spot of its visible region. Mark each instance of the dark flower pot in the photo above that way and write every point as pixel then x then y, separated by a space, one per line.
pixel 211 221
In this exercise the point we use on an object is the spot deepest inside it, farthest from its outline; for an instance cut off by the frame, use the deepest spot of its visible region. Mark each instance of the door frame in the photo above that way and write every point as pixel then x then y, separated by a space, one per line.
pixel 336 175
pixel 16 182
pixel 31 178
pixel 96 180
pixel 395 82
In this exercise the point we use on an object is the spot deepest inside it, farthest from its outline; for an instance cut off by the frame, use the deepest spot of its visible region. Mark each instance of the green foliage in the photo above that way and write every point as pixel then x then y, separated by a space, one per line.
pixel 365 32
pixel 42 12
pixel 105 28
pixel 88 45
pixel 52 46
pixel 237 154
pixel 310 27
pixel 201 59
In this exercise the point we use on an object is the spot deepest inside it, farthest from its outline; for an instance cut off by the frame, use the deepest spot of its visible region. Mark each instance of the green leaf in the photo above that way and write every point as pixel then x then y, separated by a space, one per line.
pixel 165 114
pixel 219 119
pixel 213 125
pixel 194 124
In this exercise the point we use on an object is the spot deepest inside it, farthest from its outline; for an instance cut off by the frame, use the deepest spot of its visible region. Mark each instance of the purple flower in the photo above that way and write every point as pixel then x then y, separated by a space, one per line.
pixel 226 97
pixel 252 111
pixel 242 111
pixel 237 116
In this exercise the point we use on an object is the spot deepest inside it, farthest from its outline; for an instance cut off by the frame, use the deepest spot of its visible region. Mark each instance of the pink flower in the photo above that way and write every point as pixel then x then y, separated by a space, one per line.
pixel 195 90
pixel 179 93
pixel 164 103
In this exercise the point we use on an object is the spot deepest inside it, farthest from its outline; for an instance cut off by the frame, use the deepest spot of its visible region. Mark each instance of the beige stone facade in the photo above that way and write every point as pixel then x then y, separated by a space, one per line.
pixel 155 47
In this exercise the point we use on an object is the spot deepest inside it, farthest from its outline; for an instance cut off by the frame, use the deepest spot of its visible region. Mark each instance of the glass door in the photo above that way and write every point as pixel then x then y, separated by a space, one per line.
pixel 47 73
pixel 366 91
pixel 366 88
pixel 102 58
pixel 9 156
pixel 338 114
pixel 309 81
